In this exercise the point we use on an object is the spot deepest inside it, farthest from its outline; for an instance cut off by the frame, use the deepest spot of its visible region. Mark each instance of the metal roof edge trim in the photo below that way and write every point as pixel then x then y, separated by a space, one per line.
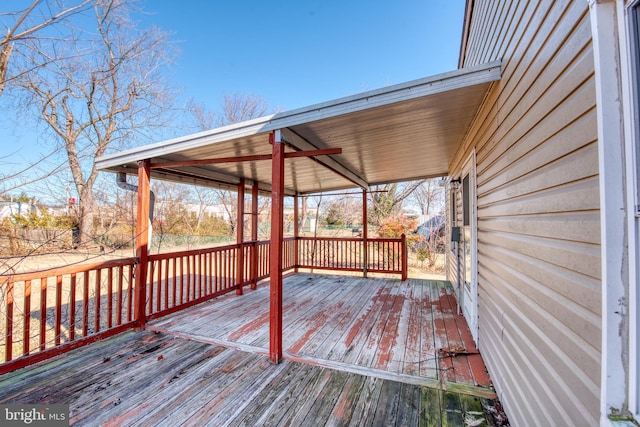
pixel 463 77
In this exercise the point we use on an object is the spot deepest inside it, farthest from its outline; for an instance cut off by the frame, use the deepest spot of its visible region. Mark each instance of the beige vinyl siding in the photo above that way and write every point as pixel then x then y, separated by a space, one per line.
pixel 539 279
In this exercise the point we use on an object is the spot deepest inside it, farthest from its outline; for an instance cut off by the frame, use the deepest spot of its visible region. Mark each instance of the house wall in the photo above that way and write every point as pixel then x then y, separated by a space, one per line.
pixel 539 273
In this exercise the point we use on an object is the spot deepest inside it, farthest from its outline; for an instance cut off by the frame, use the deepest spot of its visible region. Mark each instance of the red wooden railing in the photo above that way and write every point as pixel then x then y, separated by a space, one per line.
pixel 53 311
pixel 327 253
pixel 349 254
pixel 47 313
pixel 179 279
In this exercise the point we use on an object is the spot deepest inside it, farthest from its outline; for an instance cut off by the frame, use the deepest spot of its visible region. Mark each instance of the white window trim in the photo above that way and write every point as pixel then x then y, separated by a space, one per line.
pixel 630 72
pixel 612 80
pixel 470 168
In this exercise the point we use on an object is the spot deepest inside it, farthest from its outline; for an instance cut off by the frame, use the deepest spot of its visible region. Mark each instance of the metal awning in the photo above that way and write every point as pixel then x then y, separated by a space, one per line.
pixel 398 133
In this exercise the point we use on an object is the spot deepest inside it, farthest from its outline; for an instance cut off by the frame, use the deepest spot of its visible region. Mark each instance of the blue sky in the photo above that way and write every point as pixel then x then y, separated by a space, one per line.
pixel 298 53
pixel 291 54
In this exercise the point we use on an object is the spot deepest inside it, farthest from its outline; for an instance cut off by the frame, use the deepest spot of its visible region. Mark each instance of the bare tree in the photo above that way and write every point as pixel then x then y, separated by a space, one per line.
pixel 237 108
pixel 96 89
pixel 26 23
pixel 229 202
pixel 429 196
pixel 344 211
pixel 386 200
pixel 204 119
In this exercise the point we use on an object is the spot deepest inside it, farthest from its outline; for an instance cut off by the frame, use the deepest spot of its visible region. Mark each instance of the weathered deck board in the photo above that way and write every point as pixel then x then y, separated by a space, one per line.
pixel 376 323
pixel 157 378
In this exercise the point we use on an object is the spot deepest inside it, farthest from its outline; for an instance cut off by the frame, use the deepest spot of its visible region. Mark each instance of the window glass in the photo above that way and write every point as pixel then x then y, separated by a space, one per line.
pixel 465 201
pixel 453 201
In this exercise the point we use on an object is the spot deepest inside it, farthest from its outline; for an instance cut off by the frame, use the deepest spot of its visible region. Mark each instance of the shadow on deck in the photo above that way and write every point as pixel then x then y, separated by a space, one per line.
pixel 357 352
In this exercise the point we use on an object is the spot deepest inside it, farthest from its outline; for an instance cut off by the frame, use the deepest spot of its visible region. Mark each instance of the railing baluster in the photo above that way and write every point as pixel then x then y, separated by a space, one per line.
pixel 216 271
pixel 149 284
pixel 43 312
pixel 158 286
pixel 85 305
pixel 198 270
pixel 58 310
pixel 109 297
pixel 130 294
pixel 26 328
pixel 180 286
pixel 174 282
pixel 210 273
pixel 98 297
pixel 9 319
pixel 119 296
pixel 166 283
pixel 229 269
pixel 72 307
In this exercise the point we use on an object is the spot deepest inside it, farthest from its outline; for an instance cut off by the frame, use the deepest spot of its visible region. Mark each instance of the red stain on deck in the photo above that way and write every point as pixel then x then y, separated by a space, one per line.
pixel 251 326
pixel 313 325
pixel 388 340
pixel 464 364
pixel 355 329
pixel 255 324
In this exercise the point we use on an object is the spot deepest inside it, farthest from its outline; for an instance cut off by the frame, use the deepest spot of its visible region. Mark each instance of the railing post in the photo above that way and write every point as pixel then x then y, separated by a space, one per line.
pixel 275 257
pixel 365 231
pixel 296 234
pixel 404 254
pixel 254 235
pixel 240 239
pixel 142 242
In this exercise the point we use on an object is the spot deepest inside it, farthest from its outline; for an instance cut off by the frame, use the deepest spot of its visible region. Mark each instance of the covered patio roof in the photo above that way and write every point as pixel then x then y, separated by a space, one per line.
pixel 398 133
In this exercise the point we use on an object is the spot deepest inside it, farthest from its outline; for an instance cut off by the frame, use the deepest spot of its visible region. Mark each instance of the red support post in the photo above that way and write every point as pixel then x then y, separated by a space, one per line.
pixel 403 251
pixel 142 242
pixel 296 233
pixel 240 239
pixel 365 234
pixel 277 235
pixel 254 235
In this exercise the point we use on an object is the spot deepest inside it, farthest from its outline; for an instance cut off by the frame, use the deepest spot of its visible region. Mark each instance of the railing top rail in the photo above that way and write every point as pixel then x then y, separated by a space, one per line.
pixel 202 251
pixel 69 269
pixel 352 239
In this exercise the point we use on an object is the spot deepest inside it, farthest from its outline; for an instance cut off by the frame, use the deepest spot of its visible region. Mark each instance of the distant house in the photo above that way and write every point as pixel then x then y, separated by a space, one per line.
pixel 433 228
pixel 10 208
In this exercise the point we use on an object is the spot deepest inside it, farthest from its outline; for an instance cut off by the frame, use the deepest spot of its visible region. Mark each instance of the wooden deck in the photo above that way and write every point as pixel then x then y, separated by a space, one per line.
pixel 357 352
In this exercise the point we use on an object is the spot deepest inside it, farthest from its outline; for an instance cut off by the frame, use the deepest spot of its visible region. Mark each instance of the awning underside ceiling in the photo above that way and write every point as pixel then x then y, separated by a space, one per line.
pixel 400 133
